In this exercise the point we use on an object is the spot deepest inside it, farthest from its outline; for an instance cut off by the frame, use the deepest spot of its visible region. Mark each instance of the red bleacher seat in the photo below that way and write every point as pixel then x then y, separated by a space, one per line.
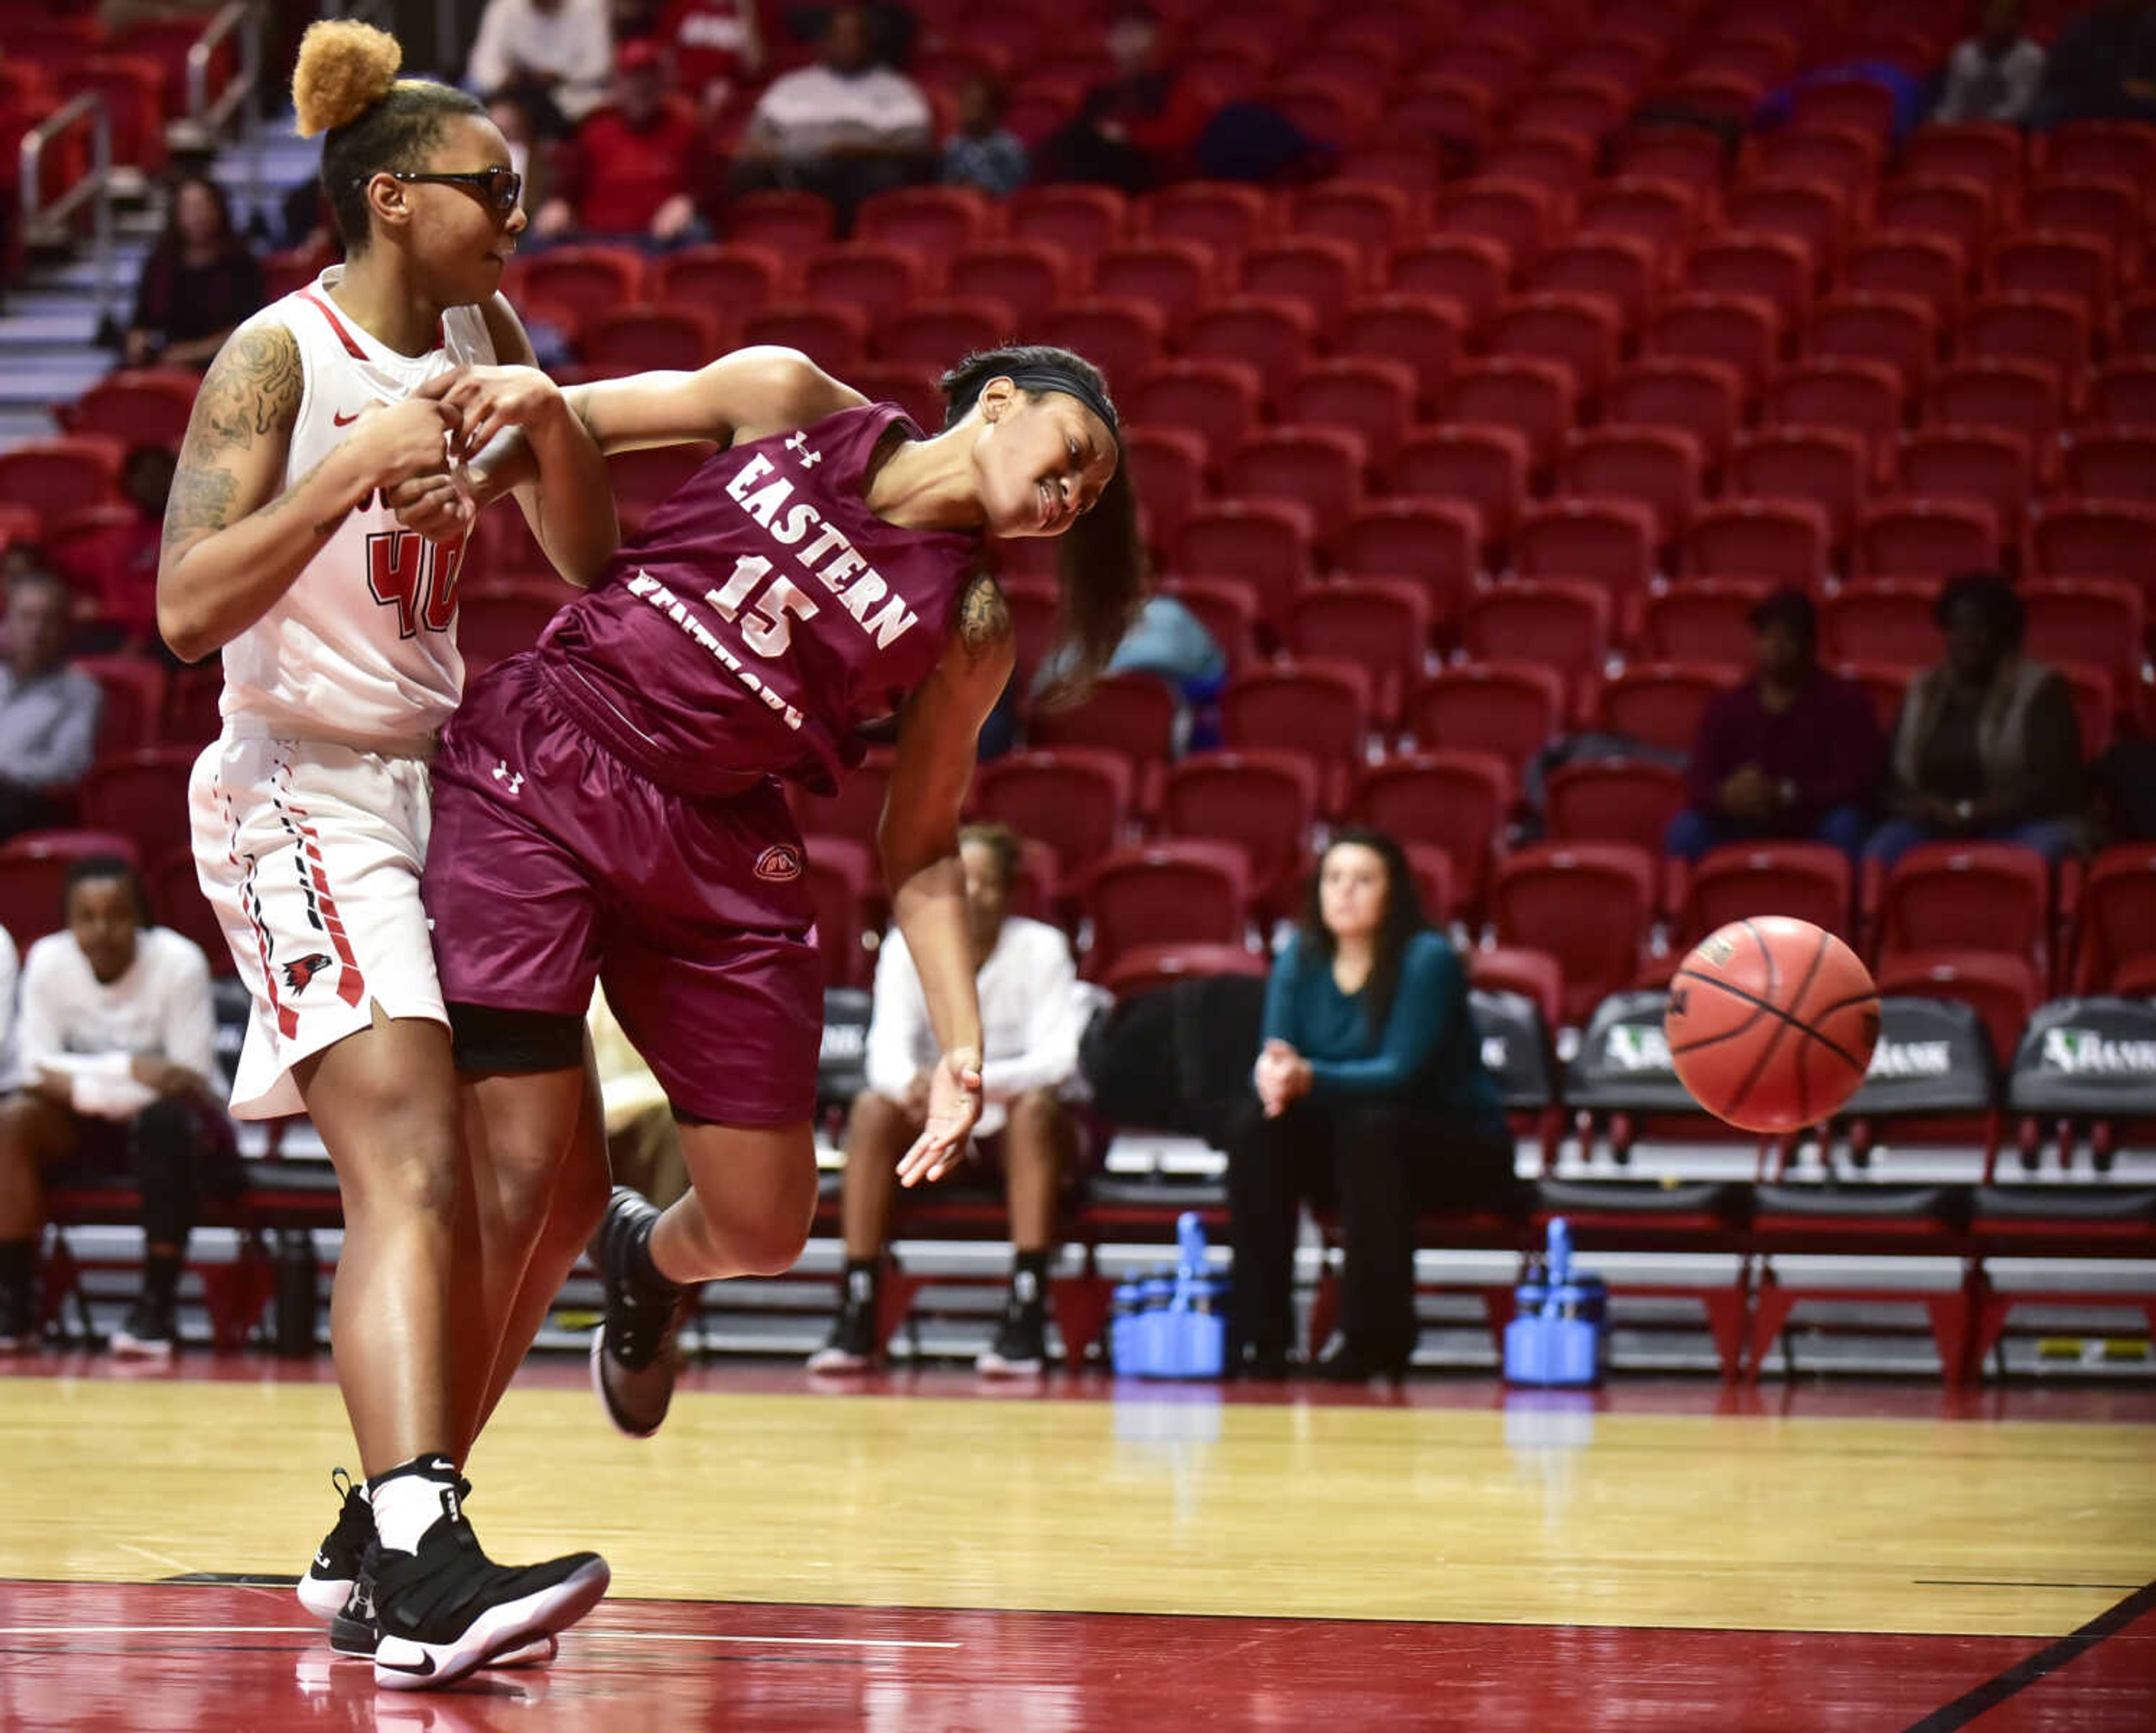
pixel 875 276
pixel 1609 542
pixel 1430 542
pixel 143 406
pixel 1588 904
pixel 1174 274
pixel 1420 333
pixel 1579 333
pixel 1663 214
pixel 1656 467
pixel 33 870
pixel 1559 160
pixel 1320 468
pixel 177 900
pixel 1168 464
pixel 1784 541
pixel 932 221
pixel 1516 968
pixel 1887 620
pixel 1854 102
pixel 2095 539
pixel 141 795
pixel 1929 268
pixel 1267 543
pixel 2080 268
pixel 2001 990
pixel 632 339
pixel 2104 206
pixel 1948 206
pixel 1225 215
pixel 1512 709
pixel 1075 800
pixel 59 477
pixel 931 333
pixel 2051 330
pixel 1029 277
pixel 913 388
pixel 1482 468
pixel 1320 709
pixel 2099 622
pixel 1318 272
pixel 2113 464
pixel 788 223
pixel 1446 107
pixel 1382 623
pixel 1841 156
pixel 1131 714
pixel 1520 216
pixel 1218 400
pixel 1536 398
pixel 1742 332
pixel 1813 214
pixel 2104 148
pixel 583 280
pixel 1968 895
pixel 1810 880
pixel 1988 465
pixel 1374 399
pixel 1565 625
pixel 1177 892
pixel 1613 800
pixel 1452 800
pixel 2117 933
pixel 1470 271
pixel 1829 466
pixel 2123 394
pixel 1149 968
pixel 1688 156
pixel 1082 220
pixel 1987 153
pixel 1228 608
pixel 1265 802
pixel 1862 397
pixel 1926 537
pixel 732 278
pixel 1706 621
pixel 1771 268
pixel 1271 332
pixel 1702 398
pixel 133 689
pixel 1620 270
pixel 1660 703
pixel 856 809
pixel 1898 329
pixel 497 623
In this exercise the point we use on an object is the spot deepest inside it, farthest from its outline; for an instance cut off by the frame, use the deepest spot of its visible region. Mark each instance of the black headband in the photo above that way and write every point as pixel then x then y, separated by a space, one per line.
pixel 1048 377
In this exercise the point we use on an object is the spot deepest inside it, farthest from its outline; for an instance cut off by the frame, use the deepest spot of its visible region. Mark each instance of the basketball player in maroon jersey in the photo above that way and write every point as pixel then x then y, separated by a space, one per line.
pixel 608 804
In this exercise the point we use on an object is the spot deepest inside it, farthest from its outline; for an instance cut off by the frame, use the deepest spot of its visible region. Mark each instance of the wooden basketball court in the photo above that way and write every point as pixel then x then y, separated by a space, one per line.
pixel 926 1553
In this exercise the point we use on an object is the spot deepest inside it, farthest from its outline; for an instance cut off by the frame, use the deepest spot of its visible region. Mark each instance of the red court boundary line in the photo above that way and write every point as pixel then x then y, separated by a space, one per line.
pixel 2018 1678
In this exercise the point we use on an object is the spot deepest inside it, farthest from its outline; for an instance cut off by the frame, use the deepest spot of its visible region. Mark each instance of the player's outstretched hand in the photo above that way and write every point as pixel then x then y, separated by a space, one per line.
pixel 954 1104
pixel 409 439
pixel 439 507
pixel 489 399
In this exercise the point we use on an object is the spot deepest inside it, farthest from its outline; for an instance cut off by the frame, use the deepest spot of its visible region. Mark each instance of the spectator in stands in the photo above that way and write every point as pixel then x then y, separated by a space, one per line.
pixel 1996 74
pixel 627 174
pixel 520 129
pixel 983 151
pixel 1793 752
pixel 48 710
pixel 1986 744
pixel 1032 1014
pixel 1371 1090
pixel 1137 129
pixel 2101 67
pixel 556 54
pixel 845 128
pixel 198 283
pixel 10 966
pixel 113 1068
pixel 717 47
pixel 116 564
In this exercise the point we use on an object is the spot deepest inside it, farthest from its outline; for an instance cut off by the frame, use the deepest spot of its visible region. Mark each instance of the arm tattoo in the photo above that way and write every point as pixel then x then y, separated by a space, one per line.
pixel 251 390
pixel 984 620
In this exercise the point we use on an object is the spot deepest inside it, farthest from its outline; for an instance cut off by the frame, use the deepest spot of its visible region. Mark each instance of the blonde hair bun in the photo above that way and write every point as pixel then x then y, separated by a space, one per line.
pixel 344 68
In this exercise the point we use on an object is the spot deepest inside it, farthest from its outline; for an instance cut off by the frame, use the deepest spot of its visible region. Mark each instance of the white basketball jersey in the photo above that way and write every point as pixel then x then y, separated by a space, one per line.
pixel 362 648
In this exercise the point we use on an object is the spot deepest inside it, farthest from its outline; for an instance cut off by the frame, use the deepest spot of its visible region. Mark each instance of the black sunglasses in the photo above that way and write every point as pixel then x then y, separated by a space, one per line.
pixel 498 188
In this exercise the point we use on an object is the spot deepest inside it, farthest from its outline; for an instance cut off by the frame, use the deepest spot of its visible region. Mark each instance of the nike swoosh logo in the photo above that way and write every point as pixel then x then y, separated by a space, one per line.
pixel 344 421
pixel 322 1563
pixel 424 1670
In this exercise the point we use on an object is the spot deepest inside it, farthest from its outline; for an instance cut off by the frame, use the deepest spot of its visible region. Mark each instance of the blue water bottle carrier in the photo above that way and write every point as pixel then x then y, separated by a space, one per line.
pixel 1561 1317
pixel 1173 1324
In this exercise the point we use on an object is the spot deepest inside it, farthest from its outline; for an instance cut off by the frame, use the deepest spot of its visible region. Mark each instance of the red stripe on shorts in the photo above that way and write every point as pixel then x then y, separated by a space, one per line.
pixel 288 1021
pixel 351 985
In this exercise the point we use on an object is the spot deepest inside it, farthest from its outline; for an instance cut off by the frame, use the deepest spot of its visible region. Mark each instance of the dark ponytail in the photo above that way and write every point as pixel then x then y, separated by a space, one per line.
pixel 1101 573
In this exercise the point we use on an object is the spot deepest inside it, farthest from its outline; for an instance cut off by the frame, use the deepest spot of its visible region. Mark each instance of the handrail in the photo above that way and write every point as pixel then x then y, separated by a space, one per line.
pixel 243 19
pixel 46 224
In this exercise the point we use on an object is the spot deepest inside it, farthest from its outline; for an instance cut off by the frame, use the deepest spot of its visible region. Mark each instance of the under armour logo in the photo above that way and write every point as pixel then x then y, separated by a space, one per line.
pixel 513 780
pixel 798 444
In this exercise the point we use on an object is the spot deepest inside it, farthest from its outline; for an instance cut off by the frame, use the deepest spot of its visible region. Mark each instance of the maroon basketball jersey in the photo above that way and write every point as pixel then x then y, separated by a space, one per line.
pixel 762 615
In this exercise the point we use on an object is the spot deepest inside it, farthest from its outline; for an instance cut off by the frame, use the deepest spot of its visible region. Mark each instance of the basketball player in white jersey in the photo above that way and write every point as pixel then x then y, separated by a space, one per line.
pixel 309 812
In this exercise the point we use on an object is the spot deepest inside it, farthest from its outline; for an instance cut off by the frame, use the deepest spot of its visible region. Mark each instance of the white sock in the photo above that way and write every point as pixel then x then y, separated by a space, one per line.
pixel 411 1499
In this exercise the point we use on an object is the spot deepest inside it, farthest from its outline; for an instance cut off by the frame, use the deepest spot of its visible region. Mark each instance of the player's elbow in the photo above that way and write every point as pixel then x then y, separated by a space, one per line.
pixel 183 626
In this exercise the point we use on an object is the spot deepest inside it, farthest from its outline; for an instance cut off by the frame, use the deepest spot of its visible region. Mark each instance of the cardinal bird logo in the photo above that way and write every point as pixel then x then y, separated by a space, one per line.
pixel 302 970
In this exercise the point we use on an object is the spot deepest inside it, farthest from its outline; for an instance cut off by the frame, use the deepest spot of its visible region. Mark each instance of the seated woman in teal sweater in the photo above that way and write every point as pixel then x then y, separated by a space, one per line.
pixel 1371 1094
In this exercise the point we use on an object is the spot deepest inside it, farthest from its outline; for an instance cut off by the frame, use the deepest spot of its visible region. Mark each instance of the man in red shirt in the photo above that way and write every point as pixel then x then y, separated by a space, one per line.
pixel 629 172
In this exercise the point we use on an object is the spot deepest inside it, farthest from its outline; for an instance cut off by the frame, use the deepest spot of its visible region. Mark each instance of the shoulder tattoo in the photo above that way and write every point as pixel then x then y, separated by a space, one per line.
pixel 252 387
pixel 984 620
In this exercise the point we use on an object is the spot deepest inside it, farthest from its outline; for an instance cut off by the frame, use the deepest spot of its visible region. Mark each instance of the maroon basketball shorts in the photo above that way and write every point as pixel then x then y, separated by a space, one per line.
pixel 552 864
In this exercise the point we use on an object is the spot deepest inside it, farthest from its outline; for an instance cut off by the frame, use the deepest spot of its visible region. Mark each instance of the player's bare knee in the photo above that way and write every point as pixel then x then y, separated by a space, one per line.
pixel 770 1245
pixel 410 1165
pixel 1036 1114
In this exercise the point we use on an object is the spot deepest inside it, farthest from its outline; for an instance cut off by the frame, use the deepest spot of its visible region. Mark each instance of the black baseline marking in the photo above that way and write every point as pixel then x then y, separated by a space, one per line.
pixel 2018 1678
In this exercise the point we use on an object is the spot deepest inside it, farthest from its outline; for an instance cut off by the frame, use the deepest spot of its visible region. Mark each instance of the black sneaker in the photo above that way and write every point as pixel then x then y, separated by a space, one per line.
pixel 1020 1349
pixel 354 1632
pixel 150 1333
pixel 447 1609
pixel 853 1346
pixel 634 1359
pixel 333 1574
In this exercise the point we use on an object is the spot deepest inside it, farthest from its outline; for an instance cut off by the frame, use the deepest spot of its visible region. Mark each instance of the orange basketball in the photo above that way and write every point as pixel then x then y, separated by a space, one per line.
pixel 1771 1023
